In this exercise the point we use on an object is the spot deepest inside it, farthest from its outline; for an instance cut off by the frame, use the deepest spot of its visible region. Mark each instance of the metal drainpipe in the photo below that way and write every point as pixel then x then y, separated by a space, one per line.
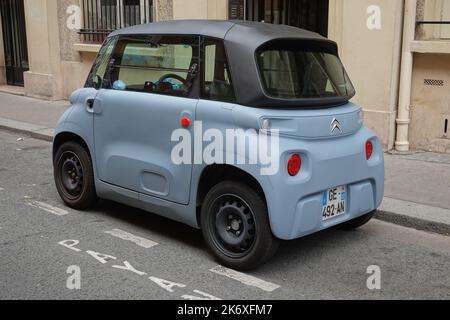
pixel 403 117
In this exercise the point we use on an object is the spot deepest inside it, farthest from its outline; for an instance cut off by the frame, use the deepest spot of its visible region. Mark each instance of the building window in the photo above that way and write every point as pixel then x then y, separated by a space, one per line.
pixel 101 17
pixel 433 20
pixel 236 10
pixel 306 14
pixel 445 16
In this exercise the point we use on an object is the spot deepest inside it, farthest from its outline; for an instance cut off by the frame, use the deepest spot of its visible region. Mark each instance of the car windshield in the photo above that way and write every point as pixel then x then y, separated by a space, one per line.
pixel 301 73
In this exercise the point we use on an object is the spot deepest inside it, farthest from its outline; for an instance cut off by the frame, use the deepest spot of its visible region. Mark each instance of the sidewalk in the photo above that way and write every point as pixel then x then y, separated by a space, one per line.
pixel 417 191
pixel 31 116
pixel 417 186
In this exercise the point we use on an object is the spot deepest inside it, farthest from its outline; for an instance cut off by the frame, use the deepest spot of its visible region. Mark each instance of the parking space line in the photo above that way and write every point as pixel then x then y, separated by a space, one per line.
pixel 245 279
pixel 142 242
pixel 48 208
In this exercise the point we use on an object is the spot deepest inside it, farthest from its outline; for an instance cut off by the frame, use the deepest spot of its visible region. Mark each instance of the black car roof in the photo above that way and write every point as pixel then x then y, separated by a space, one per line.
pixel 242 39
pixel 219 29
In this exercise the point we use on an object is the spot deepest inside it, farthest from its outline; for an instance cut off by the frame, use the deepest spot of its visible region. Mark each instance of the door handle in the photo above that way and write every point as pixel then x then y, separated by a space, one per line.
pixel 90 105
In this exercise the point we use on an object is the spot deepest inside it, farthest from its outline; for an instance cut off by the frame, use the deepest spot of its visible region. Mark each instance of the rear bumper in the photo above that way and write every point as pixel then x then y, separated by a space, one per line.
pixel 295 204
pixel 308 218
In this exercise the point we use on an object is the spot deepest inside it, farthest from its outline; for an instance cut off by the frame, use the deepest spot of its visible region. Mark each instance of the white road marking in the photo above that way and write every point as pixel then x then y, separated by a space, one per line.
pixel 206 296
pixel 167 285
pixel 142 242
pixel 128 267
pixel 103 258
pixel 70 244
pixel 245 279
pixel 49 208
pixel 1 189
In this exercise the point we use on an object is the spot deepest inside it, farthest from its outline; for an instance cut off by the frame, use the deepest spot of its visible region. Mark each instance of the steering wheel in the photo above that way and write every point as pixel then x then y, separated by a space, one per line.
pixel 174 76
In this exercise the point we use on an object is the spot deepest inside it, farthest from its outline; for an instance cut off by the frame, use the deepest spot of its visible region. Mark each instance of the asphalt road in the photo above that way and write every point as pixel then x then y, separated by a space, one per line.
pixel 329 265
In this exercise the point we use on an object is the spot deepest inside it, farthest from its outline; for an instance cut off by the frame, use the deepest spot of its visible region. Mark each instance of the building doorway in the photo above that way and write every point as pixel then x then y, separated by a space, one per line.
pixel 306 14
pixel 14 40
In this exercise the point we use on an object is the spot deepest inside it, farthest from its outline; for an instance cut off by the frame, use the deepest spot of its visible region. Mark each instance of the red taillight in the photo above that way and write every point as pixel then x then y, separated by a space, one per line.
pixel 185 122
pixel 369 150
pixel 294 165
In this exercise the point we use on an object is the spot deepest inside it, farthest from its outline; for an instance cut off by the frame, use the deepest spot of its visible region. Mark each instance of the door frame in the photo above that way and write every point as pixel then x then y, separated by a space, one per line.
pixel 15 48
pixel 150 169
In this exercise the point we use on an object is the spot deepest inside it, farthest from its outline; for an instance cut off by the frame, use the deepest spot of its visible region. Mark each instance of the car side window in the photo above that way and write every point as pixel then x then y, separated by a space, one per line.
pixel 216 80
pixel 97 74
pixel 155 64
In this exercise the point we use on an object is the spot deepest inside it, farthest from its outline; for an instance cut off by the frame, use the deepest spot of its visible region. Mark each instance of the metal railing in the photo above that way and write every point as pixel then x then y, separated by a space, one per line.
pixel 307 14
pixel 433 30
pixel 101 17
pixel 431 22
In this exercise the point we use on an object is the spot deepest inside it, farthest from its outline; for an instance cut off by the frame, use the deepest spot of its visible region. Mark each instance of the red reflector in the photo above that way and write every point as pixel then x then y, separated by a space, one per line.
pixel 369 150
pixel 185 122
pixel 294 165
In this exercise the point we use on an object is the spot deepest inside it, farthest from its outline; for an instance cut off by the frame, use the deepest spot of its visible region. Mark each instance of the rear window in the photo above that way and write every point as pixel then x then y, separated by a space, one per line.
pixel 297 71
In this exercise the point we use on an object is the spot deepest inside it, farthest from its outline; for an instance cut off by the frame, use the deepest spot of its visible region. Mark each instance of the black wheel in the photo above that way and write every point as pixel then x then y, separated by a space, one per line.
pixel 356 223
pixel 74 176
pixel 235 225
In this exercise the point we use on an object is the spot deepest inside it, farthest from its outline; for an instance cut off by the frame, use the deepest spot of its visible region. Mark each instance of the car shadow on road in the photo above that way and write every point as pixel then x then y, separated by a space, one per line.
pixel 151 222
pixel 311 248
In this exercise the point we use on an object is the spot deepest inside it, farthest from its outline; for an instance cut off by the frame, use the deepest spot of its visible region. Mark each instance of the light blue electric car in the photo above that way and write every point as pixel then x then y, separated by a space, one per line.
pixel 146 131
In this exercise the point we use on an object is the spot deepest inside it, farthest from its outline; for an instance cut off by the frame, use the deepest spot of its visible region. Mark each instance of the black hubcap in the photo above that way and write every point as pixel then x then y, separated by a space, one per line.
pixel 71 174
pixel 233 226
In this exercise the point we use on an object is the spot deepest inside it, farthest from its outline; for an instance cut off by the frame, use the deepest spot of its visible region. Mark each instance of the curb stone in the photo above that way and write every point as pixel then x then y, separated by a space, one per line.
pixel 32 130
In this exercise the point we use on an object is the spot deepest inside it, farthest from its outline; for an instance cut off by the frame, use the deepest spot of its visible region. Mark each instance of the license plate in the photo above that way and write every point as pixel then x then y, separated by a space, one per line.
pixel 334 203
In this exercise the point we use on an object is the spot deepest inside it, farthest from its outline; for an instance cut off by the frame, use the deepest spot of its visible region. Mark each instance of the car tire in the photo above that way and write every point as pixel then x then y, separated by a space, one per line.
pixel 235 225
pixel 74 176
pixel 357 223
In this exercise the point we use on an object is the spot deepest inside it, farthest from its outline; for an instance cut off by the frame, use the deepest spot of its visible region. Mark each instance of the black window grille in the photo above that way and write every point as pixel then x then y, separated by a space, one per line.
pixel 101 17
pixel 307 14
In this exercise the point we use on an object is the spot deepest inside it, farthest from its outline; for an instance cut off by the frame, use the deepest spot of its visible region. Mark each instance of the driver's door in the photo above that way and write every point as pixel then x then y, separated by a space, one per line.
pixel 139 109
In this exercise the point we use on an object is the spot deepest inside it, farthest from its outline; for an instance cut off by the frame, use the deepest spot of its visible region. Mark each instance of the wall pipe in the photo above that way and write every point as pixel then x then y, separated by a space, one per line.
pixel 403 116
